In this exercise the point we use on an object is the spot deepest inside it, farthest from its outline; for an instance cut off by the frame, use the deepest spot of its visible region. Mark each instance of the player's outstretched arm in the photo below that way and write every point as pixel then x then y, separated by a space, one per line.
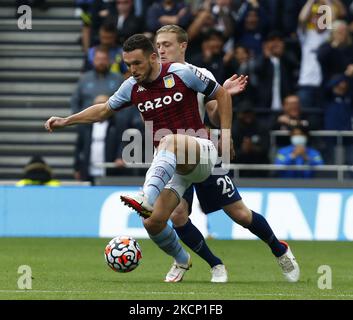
pixel 95 113
pixel 225 114
pixel 224 107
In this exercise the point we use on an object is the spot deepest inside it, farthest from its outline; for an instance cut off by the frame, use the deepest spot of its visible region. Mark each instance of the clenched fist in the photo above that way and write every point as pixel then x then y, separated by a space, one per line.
pixel 55 123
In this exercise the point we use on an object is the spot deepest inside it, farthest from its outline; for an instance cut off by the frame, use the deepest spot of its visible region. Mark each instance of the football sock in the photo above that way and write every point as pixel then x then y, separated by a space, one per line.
pixel 161 171
pixel 168 241
pixel 194 239
pixel 260 227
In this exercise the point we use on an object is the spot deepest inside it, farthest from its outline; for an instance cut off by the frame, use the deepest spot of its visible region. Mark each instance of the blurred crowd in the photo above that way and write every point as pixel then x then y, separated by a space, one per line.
pixel 298 55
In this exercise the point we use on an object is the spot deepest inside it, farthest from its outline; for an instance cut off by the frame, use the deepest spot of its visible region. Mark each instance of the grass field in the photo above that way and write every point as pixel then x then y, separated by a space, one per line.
pixel 75 269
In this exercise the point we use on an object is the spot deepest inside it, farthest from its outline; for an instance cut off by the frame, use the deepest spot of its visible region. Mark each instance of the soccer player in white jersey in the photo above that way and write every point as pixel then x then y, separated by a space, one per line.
pixel 171 42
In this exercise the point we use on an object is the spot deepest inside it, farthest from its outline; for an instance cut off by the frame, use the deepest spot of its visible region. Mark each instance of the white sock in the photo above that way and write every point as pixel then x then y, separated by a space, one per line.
pixel 167 240
pixel 161 171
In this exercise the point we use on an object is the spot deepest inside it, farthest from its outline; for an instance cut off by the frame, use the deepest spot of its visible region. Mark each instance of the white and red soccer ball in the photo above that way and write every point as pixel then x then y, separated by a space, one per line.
pixel 122 254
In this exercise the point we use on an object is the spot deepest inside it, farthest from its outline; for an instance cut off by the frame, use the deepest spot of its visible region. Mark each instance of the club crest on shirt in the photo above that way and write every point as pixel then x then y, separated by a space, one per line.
pixel 169 81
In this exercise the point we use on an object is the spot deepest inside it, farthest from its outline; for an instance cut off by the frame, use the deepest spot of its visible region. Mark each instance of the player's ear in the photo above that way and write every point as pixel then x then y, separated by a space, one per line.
pixel 184 46
pixel 154 57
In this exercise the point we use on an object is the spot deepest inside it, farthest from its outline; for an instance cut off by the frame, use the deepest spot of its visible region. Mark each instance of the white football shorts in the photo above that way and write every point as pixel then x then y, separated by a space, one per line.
pixel 208 158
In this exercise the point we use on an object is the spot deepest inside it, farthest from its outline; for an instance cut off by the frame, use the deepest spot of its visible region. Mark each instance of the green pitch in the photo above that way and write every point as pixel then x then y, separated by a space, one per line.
pixel 75 269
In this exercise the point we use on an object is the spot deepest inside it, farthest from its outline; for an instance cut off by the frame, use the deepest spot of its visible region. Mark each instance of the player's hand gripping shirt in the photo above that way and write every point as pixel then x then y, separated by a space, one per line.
pixel 170 101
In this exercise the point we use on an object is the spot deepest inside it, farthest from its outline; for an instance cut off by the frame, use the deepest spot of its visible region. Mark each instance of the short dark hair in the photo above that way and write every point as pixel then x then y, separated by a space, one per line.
pixel 303 129
pixel 108 26
pixel 274 35
pixel 101 49
pixel 139 41
pixel 212 33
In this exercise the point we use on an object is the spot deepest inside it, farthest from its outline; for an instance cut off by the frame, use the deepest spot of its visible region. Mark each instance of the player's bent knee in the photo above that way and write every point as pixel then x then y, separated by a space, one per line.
pixel 244 217
pixel 180 214
pixel 240 214
pixel 168 142
pixel 153 225
pixel 179 218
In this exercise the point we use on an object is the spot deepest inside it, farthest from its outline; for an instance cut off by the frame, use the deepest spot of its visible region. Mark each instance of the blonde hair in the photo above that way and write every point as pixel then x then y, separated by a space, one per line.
pixel 182 35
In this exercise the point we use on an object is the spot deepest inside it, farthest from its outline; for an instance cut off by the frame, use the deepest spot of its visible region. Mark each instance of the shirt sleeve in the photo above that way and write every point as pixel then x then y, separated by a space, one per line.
pixel 122 96
pixel 194 79
pixel 207 73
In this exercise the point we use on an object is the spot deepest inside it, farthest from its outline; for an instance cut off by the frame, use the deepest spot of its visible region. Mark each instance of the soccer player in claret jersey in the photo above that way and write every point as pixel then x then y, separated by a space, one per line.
pixel 218 191
pixel 165 94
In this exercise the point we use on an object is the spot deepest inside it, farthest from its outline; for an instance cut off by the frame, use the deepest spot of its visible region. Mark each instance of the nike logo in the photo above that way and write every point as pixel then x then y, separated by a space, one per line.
pixel 229 195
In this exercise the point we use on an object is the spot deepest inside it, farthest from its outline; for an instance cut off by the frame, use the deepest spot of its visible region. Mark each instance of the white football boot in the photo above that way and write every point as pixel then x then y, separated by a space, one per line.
pixel 219 273
pixel 289 265
pixel 177 271
pixel 139 203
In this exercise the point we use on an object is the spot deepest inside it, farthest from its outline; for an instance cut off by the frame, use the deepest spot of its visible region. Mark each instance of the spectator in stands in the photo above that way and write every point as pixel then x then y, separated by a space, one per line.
pixel 100 12
pixel 312 34
pixel 337 54
pixel 124 18
pixel 298 153
pixel 202 18
pixel 38 173
pixel 338 114
pixel 223 17
pixel 242 63
pixel 96 143
pixel 85 11
pixel 141 7
pixel 289 13
pixel 251 140
pixel 251 26
pixel 277 15
pixel 200 24
pixel 275 70
pixel 211 56
pixel 167 12
pixel 108 38
pixel 218 16
pixel 292 116
pixel 97 81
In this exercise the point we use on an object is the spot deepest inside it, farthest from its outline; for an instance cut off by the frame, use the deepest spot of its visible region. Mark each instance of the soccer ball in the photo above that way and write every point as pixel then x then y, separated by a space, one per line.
pixel 122 254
